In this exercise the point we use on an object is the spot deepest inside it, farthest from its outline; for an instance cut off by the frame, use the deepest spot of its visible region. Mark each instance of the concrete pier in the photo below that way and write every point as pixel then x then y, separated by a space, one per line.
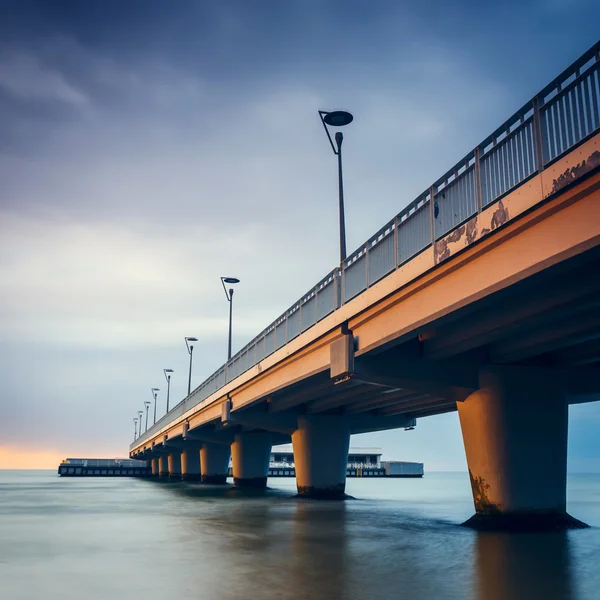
pixel 214 462
pixel 154 463
pixel 163 470
pixel 320 455
pixel 515 435
pixel 250 453
pixel 190 464
pixel 175 465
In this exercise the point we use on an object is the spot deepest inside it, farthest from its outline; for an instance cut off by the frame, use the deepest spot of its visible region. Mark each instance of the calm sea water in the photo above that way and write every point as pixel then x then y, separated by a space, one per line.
pixel 92 539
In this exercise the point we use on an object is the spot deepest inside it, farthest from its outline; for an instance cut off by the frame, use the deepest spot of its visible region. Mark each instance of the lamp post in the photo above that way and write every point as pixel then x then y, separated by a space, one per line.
pixel 167 373
pixel 229 296
pixel 147 405
pixel 135 428
pixel 338 118
pixel 154 395
pixel 189 344
pixel 140 413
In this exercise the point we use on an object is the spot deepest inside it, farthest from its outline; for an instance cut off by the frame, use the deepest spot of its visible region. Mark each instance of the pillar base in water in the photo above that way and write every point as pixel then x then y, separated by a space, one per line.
pixel 191 477
pixel 163 475
pixel 174 476
pixel 525 521
pixel 334 492
pixel 250 482
pixel 214 479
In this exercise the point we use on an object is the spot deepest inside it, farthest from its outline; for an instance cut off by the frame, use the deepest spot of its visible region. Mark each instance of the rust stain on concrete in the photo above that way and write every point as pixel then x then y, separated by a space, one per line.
pixel 456 234
pixel 441 251
pixel 500 216
pixel 574 173
pixel 472 231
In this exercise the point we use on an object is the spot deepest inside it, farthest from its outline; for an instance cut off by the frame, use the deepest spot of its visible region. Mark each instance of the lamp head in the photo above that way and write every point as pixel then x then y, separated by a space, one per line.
pixel 338 118
pixel 231 280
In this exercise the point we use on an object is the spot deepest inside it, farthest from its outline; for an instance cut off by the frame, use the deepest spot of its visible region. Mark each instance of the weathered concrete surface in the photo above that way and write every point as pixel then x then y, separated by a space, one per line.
pixel 250 454
pixel 214 462
pixel 515 435
pixel 321 456
pixel 190 464
pixel 174 462
pixel 163 471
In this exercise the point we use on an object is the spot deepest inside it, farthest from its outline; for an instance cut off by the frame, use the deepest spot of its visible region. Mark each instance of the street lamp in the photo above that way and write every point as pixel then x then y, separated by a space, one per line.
pixel 338 118
pixel 154 395
pixel 147 404
pixel 167 373
pixel 135 428
pixel 190 348
pixel 140 413
pixel 229 296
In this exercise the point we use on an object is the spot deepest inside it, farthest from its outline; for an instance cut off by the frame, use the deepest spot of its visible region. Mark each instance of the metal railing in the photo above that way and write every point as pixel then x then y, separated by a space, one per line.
pixel 563 114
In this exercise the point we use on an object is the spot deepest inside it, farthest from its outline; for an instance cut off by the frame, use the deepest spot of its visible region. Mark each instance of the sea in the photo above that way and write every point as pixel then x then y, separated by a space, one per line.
pixel 112 539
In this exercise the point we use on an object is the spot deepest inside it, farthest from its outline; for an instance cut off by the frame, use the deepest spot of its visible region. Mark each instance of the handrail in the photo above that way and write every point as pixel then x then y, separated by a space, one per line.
pixel 564 113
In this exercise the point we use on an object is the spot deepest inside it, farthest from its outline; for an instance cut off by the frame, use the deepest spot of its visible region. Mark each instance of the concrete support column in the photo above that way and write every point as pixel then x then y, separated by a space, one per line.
pixel 175 465
pixel 515 435
pixel 250 453
pixel 321 456
pixel 163 466
pixel 214 462
pixel 190 464
pixel 155 467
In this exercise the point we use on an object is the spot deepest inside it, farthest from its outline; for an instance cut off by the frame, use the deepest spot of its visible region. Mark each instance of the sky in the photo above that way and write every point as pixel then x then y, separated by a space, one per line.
pixel 149 147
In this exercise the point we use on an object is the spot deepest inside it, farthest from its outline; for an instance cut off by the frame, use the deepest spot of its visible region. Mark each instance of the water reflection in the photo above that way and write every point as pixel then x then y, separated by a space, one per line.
pixel 319 561
pixel 524 566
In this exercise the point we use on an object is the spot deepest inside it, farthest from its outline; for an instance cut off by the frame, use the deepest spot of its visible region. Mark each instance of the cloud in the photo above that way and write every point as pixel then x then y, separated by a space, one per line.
pixel 26 78
pixel 145 153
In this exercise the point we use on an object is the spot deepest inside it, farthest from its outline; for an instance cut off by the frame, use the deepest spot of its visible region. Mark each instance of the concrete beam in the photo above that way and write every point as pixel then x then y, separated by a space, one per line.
pixel 370 423
pixel 451 378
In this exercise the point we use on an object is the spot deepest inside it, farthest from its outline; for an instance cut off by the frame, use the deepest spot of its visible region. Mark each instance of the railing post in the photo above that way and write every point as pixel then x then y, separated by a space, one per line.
pixel 396 242
pixel 431 214
pixel 477 169
pixel 366 265
pixel 538 137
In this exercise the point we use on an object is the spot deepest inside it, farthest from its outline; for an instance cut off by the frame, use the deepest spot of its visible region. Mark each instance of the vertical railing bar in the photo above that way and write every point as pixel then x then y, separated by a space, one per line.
pixel 556 131
pixel 431 215
pixel 538 137
pixel 366 265
pixel 594 101
pixel 564 122
pixel 519 171
pixel 396 261
pixel 577 113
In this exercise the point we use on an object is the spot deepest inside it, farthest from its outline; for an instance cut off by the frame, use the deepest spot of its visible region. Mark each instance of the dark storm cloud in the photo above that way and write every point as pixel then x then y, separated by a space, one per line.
pixel 148 147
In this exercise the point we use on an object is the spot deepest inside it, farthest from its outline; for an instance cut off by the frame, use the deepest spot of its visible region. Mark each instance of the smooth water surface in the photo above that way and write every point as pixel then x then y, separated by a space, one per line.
pixel 92 539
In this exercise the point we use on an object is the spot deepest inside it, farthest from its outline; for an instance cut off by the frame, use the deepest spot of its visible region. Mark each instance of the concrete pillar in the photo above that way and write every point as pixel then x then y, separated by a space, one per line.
pixel 515 435
pixel 163 466
pixel 214 462
pixel 155 467
pixel 321 456
pixel 190 464
pixel 175 465
pixel 250 453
